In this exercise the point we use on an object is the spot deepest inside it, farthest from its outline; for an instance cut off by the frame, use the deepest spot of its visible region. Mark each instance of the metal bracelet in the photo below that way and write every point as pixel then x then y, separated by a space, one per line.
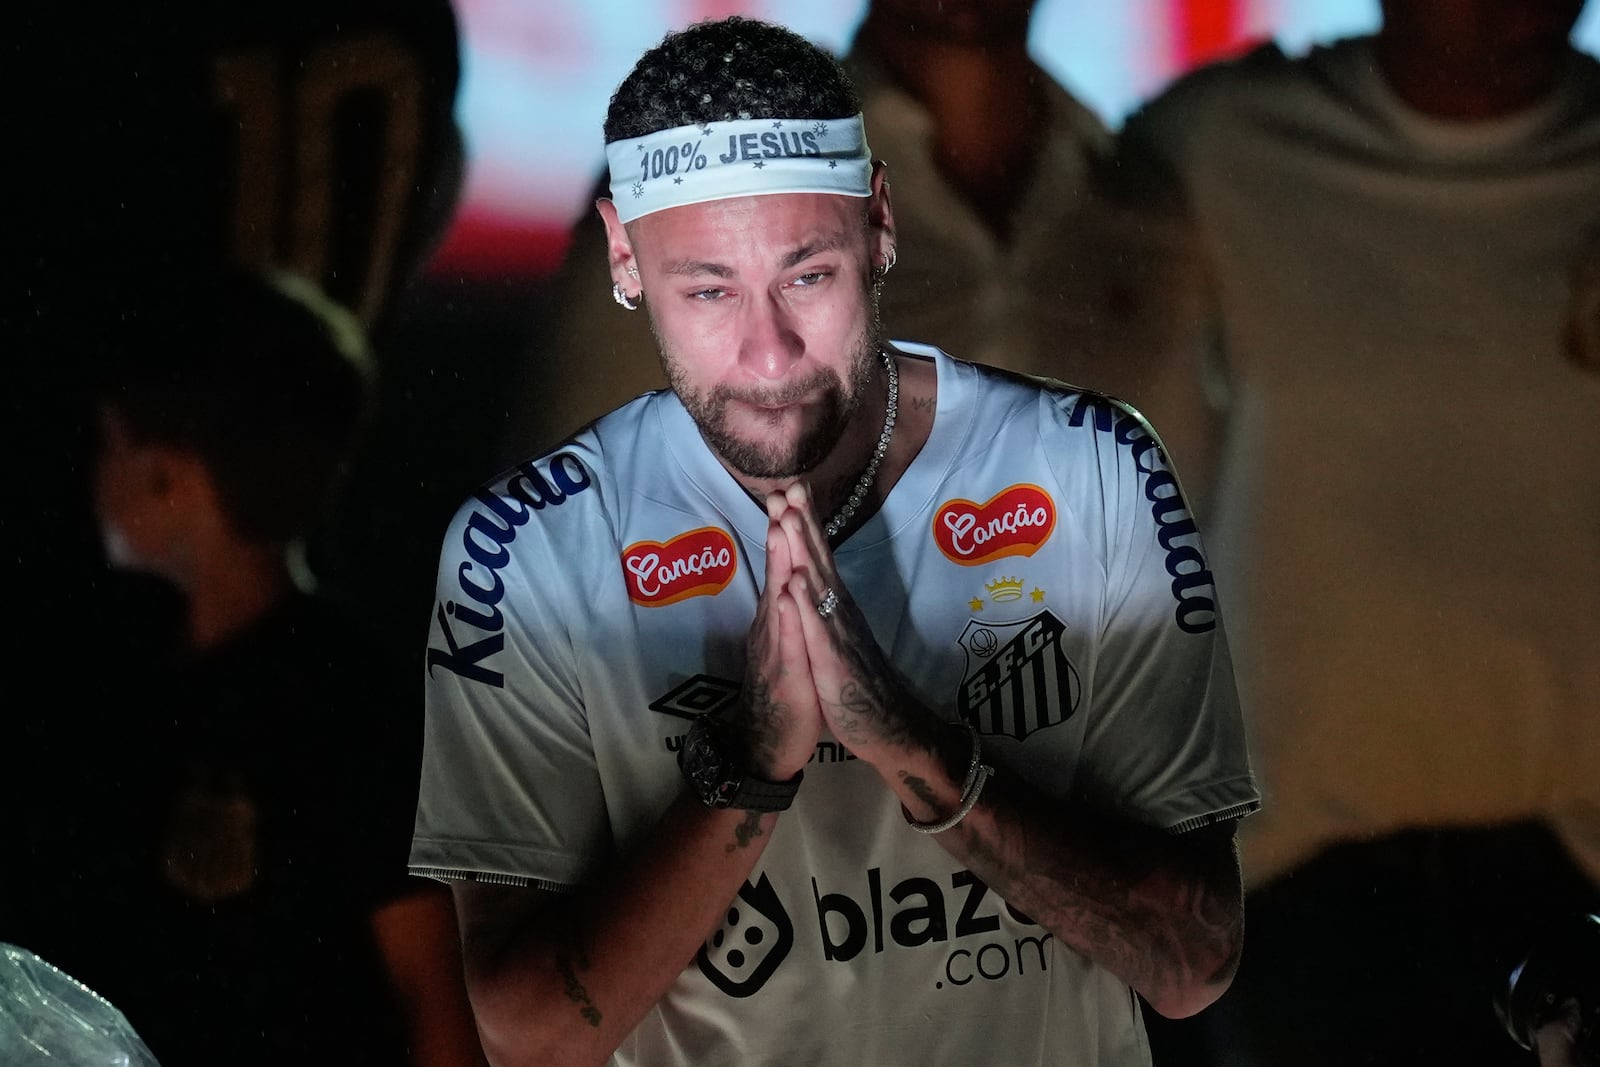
pixel 977 774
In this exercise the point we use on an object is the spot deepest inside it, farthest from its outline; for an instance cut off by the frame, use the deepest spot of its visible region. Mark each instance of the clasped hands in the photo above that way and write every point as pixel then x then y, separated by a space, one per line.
pixel 805 670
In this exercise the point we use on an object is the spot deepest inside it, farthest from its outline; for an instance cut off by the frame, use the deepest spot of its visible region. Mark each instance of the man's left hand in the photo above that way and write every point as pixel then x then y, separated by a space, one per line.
pixel 860 700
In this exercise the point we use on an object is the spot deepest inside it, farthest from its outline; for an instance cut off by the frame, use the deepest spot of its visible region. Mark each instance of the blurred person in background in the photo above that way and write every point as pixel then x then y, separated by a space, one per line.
pixel 1361 296
pixel 241 891
pixel 174 141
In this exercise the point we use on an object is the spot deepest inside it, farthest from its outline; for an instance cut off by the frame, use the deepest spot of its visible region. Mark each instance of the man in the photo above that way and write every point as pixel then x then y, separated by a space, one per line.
pixel 988 220
pixel 980 611
pixel 237 884
pixel 1393 240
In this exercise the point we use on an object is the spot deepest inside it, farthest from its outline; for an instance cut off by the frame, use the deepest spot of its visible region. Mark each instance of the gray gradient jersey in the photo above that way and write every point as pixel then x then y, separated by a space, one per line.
pixel 1033 572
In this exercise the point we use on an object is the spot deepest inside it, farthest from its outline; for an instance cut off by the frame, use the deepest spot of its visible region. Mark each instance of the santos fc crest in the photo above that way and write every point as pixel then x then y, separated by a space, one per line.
pixel 1018 679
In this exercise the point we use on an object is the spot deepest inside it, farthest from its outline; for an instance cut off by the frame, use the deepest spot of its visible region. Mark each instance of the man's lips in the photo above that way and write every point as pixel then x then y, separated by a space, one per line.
pixel 775 406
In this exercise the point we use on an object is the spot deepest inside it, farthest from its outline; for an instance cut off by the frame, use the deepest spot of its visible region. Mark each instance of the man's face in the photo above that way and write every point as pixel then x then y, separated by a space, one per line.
pixel 764 312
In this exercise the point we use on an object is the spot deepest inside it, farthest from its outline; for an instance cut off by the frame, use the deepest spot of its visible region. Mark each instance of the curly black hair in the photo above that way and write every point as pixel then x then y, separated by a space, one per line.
pixel 726 69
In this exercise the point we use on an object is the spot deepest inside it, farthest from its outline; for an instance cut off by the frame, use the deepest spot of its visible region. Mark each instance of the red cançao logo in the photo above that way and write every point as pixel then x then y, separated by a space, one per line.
pixel 698 563
pixel 1013 522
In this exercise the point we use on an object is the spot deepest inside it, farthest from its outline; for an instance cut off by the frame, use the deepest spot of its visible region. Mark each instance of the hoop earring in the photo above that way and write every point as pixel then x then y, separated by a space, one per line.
pixel 622 298
pixel 889 260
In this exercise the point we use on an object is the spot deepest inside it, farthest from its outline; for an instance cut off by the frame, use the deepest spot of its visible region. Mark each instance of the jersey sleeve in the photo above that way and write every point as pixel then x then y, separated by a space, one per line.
pixel 1165 742
pixel 510 790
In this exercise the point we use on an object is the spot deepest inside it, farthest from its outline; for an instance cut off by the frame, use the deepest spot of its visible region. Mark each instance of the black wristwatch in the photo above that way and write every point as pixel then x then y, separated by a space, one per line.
pixel 711 765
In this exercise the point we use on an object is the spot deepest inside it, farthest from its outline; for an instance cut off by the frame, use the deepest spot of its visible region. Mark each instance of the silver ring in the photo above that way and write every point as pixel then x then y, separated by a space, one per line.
pixel 829 601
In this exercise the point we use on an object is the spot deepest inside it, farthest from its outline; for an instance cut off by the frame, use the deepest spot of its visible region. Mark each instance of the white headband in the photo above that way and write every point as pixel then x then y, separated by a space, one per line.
pixel 744 157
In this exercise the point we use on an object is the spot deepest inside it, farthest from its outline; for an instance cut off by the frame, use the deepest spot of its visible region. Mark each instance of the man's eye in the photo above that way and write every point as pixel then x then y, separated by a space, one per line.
pixel 708 294
pixel 811 278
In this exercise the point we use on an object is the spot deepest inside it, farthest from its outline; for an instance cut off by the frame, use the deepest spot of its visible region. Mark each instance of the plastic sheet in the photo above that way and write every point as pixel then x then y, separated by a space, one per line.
pixel 50 1019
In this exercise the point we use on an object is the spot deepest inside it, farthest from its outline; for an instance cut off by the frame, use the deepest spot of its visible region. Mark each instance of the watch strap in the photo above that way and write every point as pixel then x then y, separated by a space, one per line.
pixel 719 777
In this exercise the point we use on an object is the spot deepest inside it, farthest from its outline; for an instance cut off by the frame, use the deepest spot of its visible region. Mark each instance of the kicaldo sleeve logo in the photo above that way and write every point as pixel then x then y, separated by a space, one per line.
pixel 698 563
pixel 1014 522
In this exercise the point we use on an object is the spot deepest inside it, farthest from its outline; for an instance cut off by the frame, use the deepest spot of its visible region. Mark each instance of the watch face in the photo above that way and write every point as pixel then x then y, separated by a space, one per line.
pixel 719 780
pixel 706 765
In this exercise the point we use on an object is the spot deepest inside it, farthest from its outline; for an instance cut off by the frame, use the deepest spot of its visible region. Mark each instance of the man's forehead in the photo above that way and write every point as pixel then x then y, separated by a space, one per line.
pixel 772 227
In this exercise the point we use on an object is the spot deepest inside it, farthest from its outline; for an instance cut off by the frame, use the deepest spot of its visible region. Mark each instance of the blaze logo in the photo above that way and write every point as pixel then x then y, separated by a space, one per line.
pixel 1014 522
pixel 698 563
pixel 855 923
pixel 755 937
pixel 916 912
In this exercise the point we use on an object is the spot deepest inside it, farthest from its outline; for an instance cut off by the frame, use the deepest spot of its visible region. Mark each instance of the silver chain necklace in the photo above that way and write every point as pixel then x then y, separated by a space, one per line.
pixel 832 527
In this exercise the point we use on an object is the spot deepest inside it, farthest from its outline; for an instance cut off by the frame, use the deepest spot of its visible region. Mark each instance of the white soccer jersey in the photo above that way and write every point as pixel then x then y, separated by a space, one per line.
pixel 1033 572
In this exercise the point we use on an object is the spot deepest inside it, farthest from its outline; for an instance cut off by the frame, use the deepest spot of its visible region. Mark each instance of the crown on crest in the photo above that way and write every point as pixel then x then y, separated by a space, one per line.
pixel 1004 589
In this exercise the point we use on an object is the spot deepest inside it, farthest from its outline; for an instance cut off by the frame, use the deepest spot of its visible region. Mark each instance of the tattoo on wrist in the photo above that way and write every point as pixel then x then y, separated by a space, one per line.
pixel 746 832
pixel 920 789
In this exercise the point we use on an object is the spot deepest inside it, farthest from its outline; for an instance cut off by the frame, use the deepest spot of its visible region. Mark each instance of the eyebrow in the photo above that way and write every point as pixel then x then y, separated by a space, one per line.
pixel 698 266
pixel 833 242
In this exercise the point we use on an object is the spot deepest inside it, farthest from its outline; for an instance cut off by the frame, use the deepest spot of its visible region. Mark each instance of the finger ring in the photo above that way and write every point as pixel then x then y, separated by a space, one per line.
pixel 829 601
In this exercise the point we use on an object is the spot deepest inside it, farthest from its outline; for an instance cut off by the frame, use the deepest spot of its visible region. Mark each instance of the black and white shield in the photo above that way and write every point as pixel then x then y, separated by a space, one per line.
pixel 1018 678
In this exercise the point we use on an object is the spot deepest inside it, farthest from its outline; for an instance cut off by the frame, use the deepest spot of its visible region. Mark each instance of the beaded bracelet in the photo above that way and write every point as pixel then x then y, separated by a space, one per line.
pixel 977 774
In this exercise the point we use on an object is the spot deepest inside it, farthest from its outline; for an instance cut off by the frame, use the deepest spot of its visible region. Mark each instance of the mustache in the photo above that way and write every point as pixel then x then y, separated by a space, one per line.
pixel 788 393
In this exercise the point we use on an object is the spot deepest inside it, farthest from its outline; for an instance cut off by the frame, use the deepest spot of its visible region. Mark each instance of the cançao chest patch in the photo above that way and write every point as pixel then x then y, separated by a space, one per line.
pixel 1016 521
pixel 697 563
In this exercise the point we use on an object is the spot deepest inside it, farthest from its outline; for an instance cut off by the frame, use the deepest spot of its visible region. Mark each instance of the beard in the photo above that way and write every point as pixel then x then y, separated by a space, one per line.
pixel 773 455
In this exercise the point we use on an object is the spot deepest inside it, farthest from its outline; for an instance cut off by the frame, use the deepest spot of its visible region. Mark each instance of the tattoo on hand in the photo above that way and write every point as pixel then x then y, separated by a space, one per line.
pixel 864 715
pixel 765 717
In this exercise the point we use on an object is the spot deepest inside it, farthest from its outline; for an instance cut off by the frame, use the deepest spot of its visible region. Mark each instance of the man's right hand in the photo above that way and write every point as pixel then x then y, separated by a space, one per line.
pixel 781 716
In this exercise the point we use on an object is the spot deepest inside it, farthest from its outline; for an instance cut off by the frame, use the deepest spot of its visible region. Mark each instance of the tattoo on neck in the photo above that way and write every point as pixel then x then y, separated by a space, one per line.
pixel 924 403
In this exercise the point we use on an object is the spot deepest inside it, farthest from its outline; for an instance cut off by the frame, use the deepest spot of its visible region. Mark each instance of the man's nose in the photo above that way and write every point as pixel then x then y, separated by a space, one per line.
pixel 769 342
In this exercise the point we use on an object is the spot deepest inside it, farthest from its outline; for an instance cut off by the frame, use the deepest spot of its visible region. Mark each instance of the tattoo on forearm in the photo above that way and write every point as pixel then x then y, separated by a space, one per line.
pixel 1159 927
pixel 574 987
pixel 746 832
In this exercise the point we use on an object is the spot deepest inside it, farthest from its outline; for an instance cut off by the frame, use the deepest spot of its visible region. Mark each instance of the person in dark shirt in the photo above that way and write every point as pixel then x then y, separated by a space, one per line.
pixel 240 888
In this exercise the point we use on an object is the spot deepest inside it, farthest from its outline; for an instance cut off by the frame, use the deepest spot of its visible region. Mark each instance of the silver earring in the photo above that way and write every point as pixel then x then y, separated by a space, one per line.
pixel 633 272
pixel 622 298
pixel 888 263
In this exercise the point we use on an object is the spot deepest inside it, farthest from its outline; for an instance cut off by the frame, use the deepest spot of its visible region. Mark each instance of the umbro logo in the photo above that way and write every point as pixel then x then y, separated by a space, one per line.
pixel 702 694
